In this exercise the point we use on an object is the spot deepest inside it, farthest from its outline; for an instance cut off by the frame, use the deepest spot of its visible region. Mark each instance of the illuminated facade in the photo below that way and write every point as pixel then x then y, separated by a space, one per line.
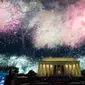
pixel 59 66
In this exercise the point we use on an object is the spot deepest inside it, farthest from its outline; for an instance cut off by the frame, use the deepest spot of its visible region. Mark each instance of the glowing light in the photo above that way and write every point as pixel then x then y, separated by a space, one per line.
pixel 51 66
pixel 70 66
pixel 73 66
pixel 59 72
pixel 66 66
pixel 47 66
pixel 43 66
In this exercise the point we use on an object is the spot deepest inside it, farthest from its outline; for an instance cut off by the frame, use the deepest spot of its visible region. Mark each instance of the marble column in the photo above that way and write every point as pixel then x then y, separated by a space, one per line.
pixel 79 69
pixel 66 69
pixel 47 70
pixel 76 70
pixel 40 69
pixel 43 70
pixel 51 70
pixel 72 69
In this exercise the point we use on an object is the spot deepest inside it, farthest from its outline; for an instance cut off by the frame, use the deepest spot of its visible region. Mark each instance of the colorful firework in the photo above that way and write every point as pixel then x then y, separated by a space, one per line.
pixel 74 31
pixel 47 30
pixel 9 16
pixel 24 63
pixel 58 27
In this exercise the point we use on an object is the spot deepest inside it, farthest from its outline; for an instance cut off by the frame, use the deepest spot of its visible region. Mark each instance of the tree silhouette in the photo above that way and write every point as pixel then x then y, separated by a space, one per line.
pixel 83 72
pixel 31 73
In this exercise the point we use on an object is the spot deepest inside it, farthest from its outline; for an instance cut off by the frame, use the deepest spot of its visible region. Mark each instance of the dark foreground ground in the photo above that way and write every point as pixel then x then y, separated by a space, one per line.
pixel 53 80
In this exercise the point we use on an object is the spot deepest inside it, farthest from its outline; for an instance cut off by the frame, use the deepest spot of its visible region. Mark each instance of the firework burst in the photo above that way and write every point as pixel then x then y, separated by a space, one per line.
pixel 56 27
pixel 9 16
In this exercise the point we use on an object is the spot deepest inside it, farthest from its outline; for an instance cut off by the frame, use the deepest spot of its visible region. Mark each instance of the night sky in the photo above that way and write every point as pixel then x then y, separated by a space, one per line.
pixel 33 29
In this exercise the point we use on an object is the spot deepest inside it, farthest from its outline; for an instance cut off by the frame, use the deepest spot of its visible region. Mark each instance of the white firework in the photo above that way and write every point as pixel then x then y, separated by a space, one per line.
pixel 24 63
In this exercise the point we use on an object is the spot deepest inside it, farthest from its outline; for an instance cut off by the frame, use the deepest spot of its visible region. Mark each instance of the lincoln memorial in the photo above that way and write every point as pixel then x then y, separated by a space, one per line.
pixel 59 66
